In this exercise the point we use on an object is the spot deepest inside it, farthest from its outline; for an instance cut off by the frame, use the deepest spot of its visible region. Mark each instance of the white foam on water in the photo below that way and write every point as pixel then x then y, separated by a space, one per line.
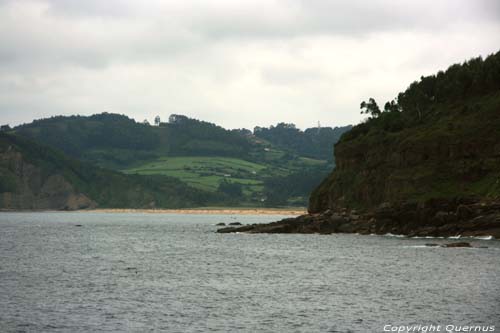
pixel 484 237
pixel 392 235
pixel 455 237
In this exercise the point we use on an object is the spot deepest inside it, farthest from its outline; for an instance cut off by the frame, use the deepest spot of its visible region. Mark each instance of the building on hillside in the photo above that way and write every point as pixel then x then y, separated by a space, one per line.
pixel 177 119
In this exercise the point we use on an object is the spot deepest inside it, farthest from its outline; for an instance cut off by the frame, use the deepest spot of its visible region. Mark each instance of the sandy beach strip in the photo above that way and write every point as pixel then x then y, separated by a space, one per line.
pixel 220 211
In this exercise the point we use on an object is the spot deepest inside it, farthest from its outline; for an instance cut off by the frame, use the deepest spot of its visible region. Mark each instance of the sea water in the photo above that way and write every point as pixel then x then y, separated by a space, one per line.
pixel 86 272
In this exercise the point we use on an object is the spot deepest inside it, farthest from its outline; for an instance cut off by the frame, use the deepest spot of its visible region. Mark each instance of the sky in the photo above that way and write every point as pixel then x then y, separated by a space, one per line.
pixel 235 63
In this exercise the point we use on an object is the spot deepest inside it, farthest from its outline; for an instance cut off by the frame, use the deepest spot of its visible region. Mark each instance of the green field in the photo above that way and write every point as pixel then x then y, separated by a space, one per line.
pixel 208 172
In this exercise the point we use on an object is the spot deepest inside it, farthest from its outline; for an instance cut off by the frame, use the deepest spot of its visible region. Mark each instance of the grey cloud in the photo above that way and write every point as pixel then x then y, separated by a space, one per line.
pixel 96 33
pixel 99 8
pixel 240 63
pixel 32 40
pixel 288 75
pixel 358 18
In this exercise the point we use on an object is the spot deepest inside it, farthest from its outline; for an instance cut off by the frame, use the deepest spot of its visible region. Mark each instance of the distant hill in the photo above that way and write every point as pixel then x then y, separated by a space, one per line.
pixel 439 139
pixel 314 142
pixel 116 141
pixel 33 176
pixel 274 167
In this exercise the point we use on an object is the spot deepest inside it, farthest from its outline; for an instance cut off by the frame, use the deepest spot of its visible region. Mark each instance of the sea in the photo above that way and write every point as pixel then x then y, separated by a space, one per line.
pixel 142 272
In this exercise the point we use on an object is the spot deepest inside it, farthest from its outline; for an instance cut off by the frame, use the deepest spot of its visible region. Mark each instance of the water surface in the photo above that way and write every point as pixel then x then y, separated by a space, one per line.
pixel 168 272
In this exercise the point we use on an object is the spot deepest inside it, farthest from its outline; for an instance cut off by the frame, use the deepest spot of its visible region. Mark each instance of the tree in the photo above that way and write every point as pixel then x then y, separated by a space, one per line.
pixel 391 106
pixel 232 189
pixel 370 108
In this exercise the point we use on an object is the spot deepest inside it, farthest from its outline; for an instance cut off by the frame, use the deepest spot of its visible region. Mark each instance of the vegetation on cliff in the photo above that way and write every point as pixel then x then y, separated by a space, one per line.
pixel 440 138
pixel 316 142
pixel 33 175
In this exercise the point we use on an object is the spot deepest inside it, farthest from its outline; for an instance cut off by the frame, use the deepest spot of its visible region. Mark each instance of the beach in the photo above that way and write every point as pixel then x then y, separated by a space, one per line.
pixel 198 211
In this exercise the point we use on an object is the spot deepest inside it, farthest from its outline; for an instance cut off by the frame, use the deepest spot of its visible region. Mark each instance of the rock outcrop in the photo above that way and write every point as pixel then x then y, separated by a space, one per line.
pixel 435 218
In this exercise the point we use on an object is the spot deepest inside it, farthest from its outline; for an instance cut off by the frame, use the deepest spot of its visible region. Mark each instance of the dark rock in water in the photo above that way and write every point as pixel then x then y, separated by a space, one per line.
pixel 78 225
pixel 245 228
pixel 303 224
pixel 458 244
pixel 220 224
pixel 433 218
pixel 235 223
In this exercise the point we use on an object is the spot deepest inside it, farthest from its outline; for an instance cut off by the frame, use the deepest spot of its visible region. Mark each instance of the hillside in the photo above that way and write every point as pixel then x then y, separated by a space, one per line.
pixel 314 142
pixel 37 177
pixel 439 139
pixel 247 168
pixel 116 141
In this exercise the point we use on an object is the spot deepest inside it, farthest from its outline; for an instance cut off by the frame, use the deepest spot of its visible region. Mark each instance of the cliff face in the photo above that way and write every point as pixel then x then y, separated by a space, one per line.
pixel 29 187
pixel 439 139
pixel 453 153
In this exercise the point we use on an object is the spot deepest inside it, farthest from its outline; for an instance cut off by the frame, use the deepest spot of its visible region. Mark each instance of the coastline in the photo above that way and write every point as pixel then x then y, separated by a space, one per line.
pixel 203 211
pixel 460 217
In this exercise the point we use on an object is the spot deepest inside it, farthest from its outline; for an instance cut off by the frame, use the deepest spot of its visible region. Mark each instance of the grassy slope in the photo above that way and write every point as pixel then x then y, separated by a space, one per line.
pixel 203 172
pixel 107 188
pixel 207 172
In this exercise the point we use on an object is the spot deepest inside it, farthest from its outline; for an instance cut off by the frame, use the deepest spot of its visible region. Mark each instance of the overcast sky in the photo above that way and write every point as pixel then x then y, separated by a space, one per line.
pixel 237 63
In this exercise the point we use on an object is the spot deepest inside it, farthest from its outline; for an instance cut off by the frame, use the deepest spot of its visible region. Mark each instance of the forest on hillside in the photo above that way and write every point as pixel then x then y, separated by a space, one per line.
pixel 421 101
pixel 275 166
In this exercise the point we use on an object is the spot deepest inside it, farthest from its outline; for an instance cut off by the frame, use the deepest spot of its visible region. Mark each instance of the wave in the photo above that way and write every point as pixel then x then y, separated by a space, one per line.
pixel 488 237
pixel 384 235
pixel 393 235
pixel 484 237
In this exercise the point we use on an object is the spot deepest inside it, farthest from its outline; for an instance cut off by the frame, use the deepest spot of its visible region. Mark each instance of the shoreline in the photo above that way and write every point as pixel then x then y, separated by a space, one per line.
pixel 433 218
pixel 202 211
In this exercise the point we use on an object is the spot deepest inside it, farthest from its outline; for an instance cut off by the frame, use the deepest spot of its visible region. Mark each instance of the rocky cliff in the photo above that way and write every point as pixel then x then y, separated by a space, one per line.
pixel 27 186
pixel 415 165
pixel 432 144
pixel 464 217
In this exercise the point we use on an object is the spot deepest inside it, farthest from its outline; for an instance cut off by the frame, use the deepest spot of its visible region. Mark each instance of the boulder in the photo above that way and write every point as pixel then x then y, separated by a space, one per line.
pixel 464 212
pixel 457 244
